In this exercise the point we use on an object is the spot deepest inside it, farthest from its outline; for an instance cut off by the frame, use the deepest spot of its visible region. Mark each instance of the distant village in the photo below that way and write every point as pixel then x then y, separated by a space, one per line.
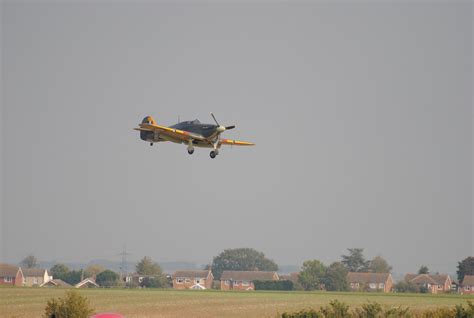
pixel 246 269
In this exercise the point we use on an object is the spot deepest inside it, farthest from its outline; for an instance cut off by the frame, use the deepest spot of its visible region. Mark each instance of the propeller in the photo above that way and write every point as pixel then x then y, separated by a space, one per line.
pixel 221 128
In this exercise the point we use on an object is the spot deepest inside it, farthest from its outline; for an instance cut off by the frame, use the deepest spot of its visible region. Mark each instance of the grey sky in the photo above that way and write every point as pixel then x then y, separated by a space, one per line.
pixel 361 113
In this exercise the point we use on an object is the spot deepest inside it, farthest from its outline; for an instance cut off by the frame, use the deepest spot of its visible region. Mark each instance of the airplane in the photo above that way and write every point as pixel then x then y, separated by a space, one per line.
pixel 192 133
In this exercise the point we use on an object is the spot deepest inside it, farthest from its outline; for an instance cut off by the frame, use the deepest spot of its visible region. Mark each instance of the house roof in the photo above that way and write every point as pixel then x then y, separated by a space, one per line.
pixel 248 275
pixel 468 280
pixel 423 279
pixel 33 272
pixel 291 276
pixel 7 270
pixel 57 283
pixel 440 279
pixel 427 278
pixel 192 273
pixel 85 282
pixel 367 278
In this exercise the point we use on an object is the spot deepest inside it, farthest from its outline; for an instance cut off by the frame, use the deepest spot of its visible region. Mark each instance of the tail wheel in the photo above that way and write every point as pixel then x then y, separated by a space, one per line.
pixel 151 144
pixel 190 151
pixel 213 154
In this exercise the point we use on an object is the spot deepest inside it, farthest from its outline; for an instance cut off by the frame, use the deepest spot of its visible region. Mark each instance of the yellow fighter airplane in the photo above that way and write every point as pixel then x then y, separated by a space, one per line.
pixel 192 133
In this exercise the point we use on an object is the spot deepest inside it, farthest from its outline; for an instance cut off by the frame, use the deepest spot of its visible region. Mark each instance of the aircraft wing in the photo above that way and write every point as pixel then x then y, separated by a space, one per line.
pixel 171 132
pixel 235 142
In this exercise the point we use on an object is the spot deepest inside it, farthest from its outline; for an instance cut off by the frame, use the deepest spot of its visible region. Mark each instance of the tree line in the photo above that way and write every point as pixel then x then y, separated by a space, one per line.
pixel 314 274
pixel 146 267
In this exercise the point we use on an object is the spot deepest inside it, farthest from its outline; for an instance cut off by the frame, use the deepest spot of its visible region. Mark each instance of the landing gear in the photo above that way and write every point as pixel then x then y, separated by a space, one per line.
pixel 213 154
pixel 190 147
pixel 151 144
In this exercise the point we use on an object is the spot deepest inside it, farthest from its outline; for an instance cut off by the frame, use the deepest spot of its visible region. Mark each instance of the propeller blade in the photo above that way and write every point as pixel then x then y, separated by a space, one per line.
pixel 215 119
pixel 229 127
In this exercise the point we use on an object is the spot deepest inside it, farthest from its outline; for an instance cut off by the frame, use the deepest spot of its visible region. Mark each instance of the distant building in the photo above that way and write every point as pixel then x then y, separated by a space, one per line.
pixel 138 280
pixel 467 285
pixel 11 275
pixel 35 276
pixel 56 283
pixel 433 283
pixel 370 281
pixel 243 280
pixel 192 279
pixel 293 277
pixel 86 283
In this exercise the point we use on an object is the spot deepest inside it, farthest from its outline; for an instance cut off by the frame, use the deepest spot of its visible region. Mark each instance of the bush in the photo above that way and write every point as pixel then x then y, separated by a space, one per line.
pixel 337 309
pixel 107 278
pixel 369 310
pixel 273 284
pixel 397 312
pixel 154 282
pixel 462 312
pixel 72 305
pixel 311 313
pixel 406 287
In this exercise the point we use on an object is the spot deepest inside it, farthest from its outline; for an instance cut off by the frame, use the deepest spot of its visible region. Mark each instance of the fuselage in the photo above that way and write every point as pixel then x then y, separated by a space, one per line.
pixel 196 127
pixel 208 131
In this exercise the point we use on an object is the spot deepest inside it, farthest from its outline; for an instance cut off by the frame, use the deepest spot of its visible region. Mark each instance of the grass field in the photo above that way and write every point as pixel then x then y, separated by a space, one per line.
pixel 30 302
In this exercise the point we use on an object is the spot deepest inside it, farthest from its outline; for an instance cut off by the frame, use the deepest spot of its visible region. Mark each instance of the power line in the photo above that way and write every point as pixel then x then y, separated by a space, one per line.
pixel 123 264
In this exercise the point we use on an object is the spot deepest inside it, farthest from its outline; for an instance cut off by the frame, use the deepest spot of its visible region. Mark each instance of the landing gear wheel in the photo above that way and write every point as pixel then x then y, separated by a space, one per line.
pixel 190 151
pixel 213 154
pixel 151 144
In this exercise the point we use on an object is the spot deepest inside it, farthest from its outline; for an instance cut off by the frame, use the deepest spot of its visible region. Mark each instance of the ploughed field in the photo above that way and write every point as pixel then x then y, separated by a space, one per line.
pixel 30 302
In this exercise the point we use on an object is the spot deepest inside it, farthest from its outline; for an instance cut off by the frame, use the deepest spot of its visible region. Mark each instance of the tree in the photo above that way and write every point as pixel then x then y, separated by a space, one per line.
pixel 62 272
pixel 241 259
pixel 147 267
pixel 155 282
pixel 379 265
pixel 465 267
pixel 73 277
pixel 423 270
pixel 59 271
pixel 355 261
pixel 154 275
pixel 72 305
pixel 107 278
pixel 29 262
pixel 312 275
pixel 336 277
pixel 404 286
pixel 93 270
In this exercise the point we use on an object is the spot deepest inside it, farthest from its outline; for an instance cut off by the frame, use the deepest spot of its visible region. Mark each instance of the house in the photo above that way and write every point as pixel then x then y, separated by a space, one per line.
pixel 293 277
pixel 467 285
pixel 35 276
pixel 56 283
pixel 370 281
pixel 11 275
pixel 243 280
pixel 192 279
pixel 86 283
pixel 433 283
